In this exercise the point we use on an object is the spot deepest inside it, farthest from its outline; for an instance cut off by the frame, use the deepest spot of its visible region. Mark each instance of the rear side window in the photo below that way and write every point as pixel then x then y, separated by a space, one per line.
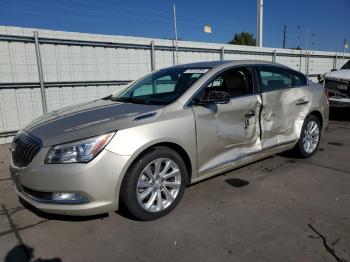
pixel 299 79
pixel 274 78
pixel 346 66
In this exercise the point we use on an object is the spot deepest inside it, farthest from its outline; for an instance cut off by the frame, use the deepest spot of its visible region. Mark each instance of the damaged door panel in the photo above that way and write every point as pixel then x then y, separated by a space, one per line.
pixel 282 115
pixel 229 131
pixel 234 127
pixel 286 102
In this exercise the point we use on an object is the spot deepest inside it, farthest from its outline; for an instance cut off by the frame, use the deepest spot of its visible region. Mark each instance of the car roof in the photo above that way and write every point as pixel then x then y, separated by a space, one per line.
pixel 212 64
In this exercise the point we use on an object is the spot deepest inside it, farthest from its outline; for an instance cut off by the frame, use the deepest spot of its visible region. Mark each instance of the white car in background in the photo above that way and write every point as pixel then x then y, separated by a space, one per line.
pixel 337 83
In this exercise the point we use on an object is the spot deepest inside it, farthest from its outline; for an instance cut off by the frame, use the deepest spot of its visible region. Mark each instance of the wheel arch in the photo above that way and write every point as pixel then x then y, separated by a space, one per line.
pixel 319 116
pixel 177 148
pixel 174 146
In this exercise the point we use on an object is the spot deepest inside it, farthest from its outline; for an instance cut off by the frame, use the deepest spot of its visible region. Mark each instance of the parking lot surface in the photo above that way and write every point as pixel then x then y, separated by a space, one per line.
pixel 277 209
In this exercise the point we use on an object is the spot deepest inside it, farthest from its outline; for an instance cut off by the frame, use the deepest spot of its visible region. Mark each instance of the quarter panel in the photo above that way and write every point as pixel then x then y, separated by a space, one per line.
pixel 320 102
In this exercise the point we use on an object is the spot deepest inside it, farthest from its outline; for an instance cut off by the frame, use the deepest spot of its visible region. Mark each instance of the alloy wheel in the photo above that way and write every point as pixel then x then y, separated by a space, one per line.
pixel 158 185
pixel 311 136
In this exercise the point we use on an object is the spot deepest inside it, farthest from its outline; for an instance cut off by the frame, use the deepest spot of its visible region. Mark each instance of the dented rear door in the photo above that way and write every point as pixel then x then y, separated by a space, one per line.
pixel 285 105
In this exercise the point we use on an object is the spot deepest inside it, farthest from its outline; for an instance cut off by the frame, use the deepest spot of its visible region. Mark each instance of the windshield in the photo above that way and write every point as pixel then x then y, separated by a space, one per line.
pixel 346 66
pixel 161 87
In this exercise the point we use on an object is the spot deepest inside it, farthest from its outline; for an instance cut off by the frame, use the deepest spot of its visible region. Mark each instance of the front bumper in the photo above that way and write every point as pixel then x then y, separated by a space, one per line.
pixel 98 181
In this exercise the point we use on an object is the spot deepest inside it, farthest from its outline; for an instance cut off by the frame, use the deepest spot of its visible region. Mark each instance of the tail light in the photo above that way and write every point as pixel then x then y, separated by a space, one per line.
pixel 326 93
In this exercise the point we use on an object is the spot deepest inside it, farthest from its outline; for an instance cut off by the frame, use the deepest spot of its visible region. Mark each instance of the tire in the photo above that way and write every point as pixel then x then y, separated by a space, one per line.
pixel 148 194
pixel 307 144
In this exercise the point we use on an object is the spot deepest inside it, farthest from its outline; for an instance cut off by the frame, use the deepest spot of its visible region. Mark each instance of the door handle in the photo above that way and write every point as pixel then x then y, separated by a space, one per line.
pixel 247 117
pixel 301 102
pixel 250 114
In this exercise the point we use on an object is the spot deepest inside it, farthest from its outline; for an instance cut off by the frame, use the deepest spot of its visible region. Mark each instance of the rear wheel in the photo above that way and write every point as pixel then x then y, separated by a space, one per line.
pixel 154 184
pixel 309 138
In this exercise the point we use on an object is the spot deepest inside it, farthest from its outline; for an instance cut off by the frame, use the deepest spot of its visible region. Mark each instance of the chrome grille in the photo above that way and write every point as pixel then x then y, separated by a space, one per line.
pixel 24 149
pixel 338 87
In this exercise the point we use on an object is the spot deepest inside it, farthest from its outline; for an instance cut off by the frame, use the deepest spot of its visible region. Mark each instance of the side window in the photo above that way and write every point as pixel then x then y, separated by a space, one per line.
pixel 272 78
pixel 299 79
pixel 346 65
pixel 236 82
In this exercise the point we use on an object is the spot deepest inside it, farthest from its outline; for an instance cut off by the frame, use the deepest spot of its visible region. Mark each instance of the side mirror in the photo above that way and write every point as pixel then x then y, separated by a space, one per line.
pixel 320 78
pixel 214 97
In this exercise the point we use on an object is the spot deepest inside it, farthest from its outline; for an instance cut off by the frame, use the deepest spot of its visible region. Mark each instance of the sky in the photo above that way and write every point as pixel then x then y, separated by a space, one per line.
pixel 328 20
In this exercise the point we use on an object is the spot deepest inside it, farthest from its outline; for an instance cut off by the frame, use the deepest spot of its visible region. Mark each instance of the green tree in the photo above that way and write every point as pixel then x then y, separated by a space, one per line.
pixel 243 38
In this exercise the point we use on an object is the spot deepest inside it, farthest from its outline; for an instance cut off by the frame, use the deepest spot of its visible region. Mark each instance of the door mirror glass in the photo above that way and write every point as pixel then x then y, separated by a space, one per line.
pixel 215 97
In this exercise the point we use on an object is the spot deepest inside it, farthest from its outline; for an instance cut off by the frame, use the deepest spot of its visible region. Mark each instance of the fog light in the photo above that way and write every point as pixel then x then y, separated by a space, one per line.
pixel 69 198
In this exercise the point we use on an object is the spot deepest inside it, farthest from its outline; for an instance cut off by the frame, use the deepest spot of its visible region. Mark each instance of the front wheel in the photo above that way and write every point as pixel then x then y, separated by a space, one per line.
pixel 154 184
pixel 310 137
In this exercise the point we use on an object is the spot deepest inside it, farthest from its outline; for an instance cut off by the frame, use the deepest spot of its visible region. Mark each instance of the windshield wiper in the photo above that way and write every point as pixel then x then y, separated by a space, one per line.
pixel 107 97
pixel 130 100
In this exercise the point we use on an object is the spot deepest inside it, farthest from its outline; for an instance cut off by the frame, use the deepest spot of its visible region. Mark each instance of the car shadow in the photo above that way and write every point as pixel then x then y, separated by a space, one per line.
pixel 124 212
pixel 49 216
pixel 339 113
pixel 237 182
pixel 24 253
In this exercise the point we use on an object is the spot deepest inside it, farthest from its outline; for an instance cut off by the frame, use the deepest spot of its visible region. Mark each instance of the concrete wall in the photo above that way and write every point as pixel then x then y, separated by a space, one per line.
pixel 73 59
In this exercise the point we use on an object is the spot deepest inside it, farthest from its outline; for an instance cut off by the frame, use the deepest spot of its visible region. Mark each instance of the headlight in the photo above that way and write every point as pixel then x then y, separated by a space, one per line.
pixel 81 151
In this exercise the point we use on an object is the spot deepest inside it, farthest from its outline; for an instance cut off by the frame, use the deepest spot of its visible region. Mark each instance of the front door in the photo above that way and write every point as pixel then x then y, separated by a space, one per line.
pixel 228 132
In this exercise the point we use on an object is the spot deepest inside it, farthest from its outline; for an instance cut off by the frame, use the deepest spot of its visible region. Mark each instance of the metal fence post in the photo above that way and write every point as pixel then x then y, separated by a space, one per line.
pixel 175 53
pixel 153 65
pixel 40 71
pixel 307 63
pixel 222 53
pixel 274 56
pixel 335 62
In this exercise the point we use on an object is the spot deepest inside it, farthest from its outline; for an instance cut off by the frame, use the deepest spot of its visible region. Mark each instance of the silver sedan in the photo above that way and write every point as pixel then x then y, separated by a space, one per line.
pixel 176 126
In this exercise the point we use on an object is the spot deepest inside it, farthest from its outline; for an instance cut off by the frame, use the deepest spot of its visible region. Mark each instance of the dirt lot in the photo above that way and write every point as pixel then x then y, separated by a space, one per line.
pixel 277 209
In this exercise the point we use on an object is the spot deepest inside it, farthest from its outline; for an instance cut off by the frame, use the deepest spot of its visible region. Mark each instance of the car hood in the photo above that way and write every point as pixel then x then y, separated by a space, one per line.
pixel 342 74
pixel 88 119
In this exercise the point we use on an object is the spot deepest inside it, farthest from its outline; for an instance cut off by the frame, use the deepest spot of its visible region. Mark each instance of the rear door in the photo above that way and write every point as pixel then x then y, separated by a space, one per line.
pixel 228 132
pixel 285 97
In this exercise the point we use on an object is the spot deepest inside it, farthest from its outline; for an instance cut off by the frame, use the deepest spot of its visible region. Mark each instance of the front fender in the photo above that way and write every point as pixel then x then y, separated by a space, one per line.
pixel 177 128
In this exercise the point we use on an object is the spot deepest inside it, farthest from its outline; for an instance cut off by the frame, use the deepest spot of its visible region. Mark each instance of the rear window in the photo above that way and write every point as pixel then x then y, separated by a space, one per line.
pixel 346 65
pixel 274 78
pixel 299 79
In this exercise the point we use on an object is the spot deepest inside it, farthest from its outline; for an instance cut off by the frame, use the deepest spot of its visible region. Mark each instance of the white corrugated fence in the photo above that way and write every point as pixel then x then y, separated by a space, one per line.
pixel 79 67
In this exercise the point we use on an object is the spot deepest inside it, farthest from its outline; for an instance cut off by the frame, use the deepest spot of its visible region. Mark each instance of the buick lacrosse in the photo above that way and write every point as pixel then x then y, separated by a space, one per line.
pixel 142 146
